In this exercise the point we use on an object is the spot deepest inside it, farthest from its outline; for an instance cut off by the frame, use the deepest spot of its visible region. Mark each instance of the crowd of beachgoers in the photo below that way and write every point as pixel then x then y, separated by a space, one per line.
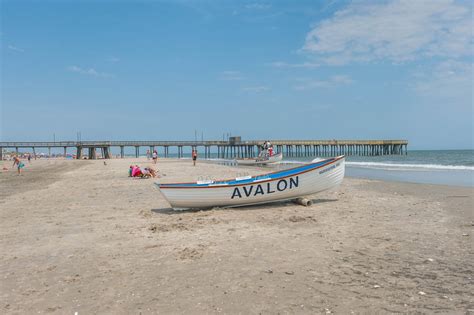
pixel 142 172
pixel 135 171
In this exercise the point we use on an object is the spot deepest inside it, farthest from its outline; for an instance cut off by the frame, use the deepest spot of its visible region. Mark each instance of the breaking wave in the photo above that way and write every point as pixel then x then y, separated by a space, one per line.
pixel 397 166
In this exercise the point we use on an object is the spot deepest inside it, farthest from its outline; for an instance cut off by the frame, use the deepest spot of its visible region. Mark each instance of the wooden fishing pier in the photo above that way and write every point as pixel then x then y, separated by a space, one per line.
pixel 233 148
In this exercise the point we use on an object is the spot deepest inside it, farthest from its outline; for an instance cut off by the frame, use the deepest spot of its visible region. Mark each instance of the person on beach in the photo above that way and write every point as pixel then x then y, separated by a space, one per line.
pixel 145 173
pixel 18 163
pixel 147 154
pixel 136 171
pixel 194 155
pixel 142 172
pixel 148 172
pixel 151 171
pixel 155 156
pixel 270 151
pixel 29 158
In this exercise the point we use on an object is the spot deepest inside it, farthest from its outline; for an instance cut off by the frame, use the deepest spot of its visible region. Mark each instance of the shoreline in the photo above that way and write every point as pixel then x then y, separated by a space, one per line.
pixel 264 169
pixel 92 240
pixel 430 177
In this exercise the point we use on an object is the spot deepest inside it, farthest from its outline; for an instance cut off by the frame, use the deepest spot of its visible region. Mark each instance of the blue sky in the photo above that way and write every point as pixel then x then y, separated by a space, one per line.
pixel 160 70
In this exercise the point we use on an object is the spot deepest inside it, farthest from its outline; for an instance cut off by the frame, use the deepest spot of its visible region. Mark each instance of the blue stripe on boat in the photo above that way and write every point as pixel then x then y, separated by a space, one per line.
pixel 276 175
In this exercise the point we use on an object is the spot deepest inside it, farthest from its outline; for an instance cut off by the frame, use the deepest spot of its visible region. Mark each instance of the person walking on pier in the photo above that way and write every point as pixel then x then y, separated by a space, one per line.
pixel 194 155
pixel 270 151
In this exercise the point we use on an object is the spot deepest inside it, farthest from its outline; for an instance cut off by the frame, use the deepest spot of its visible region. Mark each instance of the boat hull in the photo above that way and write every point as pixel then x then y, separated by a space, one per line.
pixel 272 159
pixel 260 189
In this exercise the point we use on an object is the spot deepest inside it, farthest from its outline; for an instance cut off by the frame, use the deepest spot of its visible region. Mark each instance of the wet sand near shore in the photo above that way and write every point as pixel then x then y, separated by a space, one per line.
pixel 88 239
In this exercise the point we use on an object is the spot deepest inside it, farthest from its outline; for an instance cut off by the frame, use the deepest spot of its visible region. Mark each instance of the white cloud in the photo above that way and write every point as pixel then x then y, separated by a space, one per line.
pixel 257 89
pixel 90 71
pixel 399 31
pixel 335 80
pixel 449 79
pixel 231 75
pixel 307 65
pixel 257 6
pixel 11 47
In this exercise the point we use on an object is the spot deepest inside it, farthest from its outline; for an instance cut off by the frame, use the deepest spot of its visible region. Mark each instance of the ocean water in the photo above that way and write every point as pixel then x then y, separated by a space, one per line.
pixel 447 167
pixel 444 167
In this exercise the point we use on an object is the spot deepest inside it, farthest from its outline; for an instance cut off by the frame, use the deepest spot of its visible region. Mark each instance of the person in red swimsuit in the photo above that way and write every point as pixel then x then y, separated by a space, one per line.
pixel 270 151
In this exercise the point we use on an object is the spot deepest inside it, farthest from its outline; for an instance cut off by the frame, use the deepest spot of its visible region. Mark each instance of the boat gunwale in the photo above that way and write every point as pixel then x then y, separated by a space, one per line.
pixel 335 159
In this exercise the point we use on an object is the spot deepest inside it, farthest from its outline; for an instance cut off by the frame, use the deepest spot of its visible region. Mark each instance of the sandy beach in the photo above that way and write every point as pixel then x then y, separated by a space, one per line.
pixel 80 236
